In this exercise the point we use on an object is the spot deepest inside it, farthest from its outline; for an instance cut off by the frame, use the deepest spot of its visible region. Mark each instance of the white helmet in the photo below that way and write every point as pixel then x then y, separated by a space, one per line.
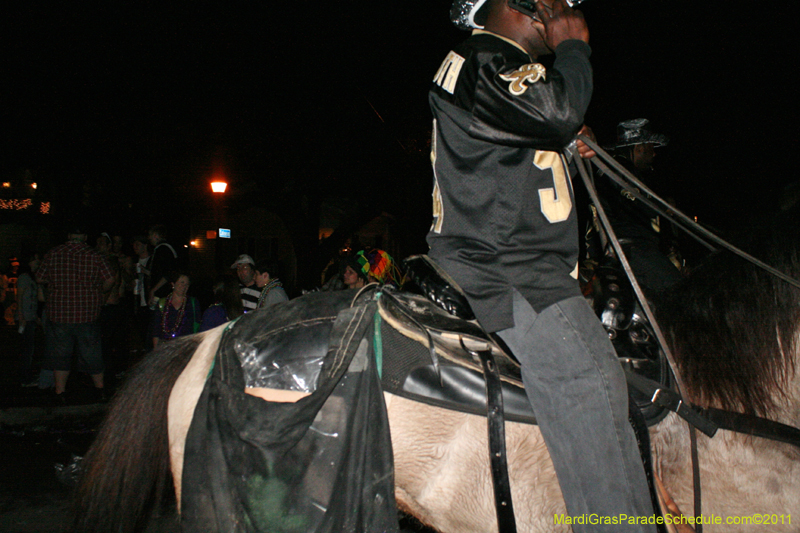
pixel 469 14
pixel 464 12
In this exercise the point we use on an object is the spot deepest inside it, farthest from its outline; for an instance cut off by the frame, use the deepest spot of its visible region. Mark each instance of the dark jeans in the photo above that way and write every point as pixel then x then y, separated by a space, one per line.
pixel 61 340
pixel 577 390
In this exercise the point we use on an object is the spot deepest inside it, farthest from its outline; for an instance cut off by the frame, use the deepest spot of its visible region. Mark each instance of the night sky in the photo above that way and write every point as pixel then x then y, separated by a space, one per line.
pixel 146 102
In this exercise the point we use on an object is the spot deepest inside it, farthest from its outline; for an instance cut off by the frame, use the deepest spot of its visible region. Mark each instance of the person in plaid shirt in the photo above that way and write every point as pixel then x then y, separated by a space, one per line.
pixel 76 277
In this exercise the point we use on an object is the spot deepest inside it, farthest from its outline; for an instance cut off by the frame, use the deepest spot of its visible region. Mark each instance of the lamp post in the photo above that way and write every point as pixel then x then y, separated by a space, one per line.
pixel 218 188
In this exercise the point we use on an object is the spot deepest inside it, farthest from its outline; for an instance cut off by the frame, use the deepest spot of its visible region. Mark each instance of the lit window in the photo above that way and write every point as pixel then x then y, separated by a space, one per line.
pixel 15 205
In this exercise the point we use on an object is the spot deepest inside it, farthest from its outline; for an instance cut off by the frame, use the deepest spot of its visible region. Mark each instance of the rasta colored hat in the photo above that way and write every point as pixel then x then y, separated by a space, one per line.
pixel 375 263
pixel 470 14
pixel 636 131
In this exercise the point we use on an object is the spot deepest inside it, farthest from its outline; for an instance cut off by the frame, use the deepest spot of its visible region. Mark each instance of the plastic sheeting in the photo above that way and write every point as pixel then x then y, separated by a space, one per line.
pixel 322 464
pixel 299 374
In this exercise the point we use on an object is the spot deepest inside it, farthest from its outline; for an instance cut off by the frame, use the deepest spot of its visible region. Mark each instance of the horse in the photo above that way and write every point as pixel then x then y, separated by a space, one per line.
pixel 734 333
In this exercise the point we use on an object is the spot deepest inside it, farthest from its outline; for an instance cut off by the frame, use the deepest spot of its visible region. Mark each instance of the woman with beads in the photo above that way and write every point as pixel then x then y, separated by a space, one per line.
pixel 271 288
pixel 177 314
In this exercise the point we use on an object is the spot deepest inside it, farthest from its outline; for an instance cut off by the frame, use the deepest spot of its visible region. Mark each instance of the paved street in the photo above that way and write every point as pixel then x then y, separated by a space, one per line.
pixel 33 499
pixel 35 436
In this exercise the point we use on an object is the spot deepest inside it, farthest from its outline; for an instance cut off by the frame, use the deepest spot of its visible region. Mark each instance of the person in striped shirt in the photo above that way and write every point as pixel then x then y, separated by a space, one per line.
pixel 244 266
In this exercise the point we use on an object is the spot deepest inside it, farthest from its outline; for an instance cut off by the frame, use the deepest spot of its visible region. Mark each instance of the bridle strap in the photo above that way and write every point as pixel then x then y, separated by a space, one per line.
pixel 753 425
pixel 671 213
pixel 666 213
pixel 697 489
pixel 612 237
pixel 623 259
pixel 497 439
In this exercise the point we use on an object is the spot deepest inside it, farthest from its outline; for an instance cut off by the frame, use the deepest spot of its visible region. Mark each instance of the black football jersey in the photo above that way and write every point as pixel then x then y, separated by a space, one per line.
pixel 504 213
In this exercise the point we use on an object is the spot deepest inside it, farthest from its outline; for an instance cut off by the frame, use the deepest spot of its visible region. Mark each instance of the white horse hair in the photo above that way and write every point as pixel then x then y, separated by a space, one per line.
pixel 442 474
pixel 744 361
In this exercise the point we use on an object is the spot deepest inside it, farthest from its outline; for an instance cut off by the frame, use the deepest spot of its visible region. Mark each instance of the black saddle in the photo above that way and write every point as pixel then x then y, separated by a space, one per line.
pixel 466 367
pixel 440 371
pixel 452 377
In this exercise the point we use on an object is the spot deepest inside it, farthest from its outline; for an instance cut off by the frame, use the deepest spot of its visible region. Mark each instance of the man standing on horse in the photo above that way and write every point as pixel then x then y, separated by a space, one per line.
pixel 505 229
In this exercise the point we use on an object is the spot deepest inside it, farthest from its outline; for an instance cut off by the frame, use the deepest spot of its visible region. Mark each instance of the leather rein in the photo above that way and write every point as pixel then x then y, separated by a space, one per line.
pixel 712 419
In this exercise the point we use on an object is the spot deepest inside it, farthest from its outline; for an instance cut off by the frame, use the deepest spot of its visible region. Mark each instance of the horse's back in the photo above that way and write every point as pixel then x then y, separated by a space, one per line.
pixel 442 472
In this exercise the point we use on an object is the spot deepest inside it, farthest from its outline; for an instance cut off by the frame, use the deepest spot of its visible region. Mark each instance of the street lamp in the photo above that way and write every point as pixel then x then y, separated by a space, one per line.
pixel 218 187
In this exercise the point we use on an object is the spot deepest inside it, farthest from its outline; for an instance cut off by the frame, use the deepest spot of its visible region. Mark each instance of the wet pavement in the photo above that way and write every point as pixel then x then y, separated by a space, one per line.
pixel 32 495
pixel 40 439
pixel 37 433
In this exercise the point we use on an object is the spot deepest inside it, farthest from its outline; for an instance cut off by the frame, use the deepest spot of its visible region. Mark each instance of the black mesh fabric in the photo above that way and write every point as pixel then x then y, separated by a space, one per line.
pixel 401 356
pixel 322 464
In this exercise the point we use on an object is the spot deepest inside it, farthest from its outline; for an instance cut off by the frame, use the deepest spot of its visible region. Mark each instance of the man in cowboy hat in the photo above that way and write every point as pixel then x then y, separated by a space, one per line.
pixel 505 228
pixel 637 144
pixel 648 241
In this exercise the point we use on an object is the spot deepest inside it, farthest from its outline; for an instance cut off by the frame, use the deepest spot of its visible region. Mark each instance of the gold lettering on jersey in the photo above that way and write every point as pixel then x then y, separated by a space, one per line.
pixel 448 72
pixel 554 202
pixel 433 143
pixel 438 208
pixel 575 271
pixel 655 223
pixel 531 73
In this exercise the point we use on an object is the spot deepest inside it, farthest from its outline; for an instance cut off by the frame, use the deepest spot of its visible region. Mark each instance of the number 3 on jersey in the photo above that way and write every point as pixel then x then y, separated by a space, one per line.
pixel 555 202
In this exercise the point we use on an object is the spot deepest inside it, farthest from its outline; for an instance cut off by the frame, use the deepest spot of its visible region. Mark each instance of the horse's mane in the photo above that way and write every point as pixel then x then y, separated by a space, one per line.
pixel 125 479
pixel 733 327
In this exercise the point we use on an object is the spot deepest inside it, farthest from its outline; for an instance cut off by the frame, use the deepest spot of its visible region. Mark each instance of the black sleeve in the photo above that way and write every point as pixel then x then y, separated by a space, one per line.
pixel 521 104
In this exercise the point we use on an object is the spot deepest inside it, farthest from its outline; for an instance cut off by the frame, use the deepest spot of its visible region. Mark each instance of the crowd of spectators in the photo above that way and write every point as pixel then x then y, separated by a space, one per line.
pixel 96 304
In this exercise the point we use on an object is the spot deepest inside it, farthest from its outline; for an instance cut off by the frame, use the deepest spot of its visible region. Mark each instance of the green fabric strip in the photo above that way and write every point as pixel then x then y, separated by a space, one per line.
pixel 378 344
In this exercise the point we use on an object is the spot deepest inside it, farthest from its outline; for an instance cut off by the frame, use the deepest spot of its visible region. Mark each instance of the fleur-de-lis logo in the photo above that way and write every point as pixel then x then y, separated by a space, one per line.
pixel 531 73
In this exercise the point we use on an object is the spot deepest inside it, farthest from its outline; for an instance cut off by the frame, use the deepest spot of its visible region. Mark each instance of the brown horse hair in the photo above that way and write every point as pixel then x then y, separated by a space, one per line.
pixel 733 328
pixel 127 474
